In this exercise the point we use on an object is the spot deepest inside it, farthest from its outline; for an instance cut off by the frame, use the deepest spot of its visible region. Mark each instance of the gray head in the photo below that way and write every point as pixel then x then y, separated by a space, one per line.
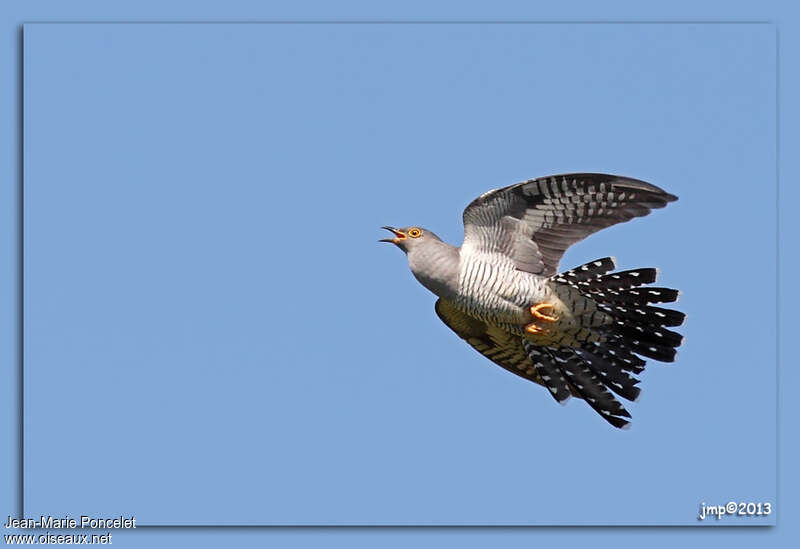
pixel 433 262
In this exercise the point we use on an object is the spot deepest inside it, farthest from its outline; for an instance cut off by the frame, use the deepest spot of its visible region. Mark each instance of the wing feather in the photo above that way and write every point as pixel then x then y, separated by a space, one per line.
pixel 553 213
pixel 497 345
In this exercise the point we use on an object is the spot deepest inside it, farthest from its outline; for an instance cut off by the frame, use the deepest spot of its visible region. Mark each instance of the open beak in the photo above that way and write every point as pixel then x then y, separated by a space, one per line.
pixel 398 235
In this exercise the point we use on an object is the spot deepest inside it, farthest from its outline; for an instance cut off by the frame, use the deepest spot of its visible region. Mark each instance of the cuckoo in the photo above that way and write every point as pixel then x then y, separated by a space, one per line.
pixel 582 332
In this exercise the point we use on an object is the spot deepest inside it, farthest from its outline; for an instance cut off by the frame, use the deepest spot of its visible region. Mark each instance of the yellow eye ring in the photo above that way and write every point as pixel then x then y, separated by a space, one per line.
pixel 414 232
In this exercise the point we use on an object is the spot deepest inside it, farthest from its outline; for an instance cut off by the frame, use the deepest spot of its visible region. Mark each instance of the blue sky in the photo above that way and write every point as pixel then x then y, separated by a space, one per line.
pixel 201 209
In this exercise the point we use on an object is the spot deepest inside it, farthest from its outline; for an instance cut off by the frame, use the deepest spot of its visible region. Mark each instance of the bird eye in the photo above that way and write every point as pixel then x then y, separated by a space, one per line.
pixel 414 232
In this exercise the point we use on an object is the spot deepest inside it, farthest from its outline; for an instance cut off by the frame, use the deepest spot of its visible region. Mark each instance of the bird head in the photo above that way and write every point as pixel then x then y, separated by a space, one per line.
pixel 409 238
pixel 433 262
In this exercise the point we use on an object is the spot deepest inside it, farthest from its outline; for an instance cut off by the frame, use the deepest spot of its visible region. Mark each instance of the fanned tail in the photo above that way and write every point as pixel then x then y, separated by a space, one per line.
pixel 635 327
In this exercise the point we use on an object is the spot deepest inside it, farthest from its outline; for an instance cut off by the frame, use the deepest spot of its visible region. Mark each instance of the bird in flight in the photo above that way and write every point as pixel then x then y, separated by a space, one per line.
pixel 581 332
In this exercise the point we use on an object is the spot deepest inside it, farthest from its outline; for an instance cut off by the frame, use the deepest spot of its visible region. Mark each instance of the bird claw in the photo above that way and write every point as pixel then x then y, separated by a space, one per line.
pixel 535 311
pixel 534 329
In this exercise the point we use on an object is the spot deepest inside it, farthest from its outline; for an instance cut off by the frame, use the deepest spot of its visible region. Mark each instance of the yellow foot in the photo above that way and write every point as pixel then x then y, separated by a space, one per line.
pixel 534 329
pixel 536 311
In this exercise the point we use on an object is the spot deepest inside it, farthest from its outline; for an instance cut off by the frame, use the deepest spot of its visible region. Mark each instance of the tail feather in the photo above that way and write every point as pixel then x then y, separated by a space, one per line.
pixel 637 296
pixel 587 384
pixel 566 371
pixel 637 329
pixel 614 377
pixel 545 366
pixel 661 353
pixel 615 352
pixel 589 270
pixel 623 280
pixel 648 333
pixel 647 314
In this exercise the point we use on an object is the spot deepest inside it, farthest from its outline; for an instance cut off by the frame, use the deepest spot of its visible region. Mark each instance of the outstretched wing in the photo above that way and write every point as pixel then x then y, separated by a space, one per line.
pixel 563 371
pixel 496 344
pixel 535 221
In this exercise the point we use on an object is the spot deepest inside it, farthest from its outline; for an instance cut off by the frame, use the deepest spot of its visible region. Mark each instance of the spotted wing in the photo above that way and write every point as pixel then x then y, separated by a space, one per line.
pixel 535 221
